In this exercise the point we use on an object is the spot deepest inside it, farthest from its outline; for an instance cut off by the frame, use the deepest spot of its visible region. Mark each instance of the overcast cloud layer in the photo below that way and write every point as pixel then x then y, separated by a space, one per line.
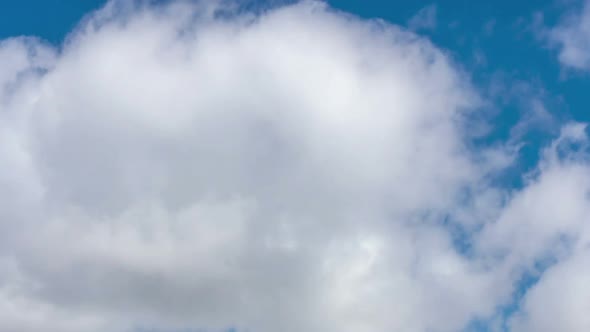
pixel 299 170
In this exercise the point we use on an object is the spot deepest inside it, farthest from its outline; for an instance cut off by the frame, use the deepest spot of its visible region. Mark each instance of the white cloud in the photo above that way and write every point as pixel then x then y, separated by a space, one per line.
pixel 425 19
pixel 572 37
pixel 544 232
pixel 291 171
pixel 560 300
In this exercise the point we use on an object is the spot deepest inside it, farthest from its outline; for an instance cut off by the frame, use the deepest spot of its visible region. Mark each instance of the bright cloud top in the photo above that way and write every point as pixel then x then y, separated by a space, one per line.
pixel 191 166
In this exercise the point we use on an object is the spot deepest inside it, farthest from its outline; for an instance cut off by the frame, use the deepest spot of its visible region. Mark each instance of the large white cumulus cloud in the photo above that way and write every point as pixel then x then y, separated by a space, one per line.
pixel 188 165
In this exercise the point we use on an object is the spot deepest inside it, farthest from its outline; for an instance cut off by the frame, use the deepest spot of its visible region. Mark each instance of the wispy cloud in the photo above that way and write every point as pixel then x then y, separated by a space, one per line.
pixel 572 38
pixel 425 19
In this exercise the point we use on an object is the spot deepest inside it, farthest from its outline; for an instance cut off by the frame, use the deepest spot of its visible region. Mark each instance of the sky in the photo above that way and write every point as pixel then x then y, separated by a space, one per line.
pixel 280 165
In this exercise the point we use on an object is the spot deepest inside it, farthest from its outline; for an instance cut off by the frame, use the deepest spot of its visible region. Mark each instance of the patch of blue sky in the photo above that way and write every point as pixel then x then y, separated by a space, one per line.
pixel 50 20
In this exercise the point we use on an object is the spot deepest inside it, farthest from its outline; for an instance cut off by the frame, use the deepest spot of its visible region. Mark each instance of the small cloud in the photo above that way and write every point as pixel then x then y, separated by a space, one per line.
pixel 571 37
pixel 479 58
pixel 489 27
pixel 454 25
pixel 425 19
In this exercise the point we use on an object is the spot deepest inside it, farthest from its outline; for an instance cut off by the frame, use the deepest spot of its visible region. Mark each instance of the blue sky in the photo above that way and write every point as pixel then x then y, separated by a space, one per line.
pixel 418 166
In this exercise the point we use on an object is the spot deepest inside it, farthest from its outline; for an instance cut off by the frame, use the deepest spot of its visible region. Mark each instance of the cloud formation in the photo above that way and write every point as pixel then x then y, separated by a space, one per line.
pixel 425 19
pixel 192 166
pixel 572 37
